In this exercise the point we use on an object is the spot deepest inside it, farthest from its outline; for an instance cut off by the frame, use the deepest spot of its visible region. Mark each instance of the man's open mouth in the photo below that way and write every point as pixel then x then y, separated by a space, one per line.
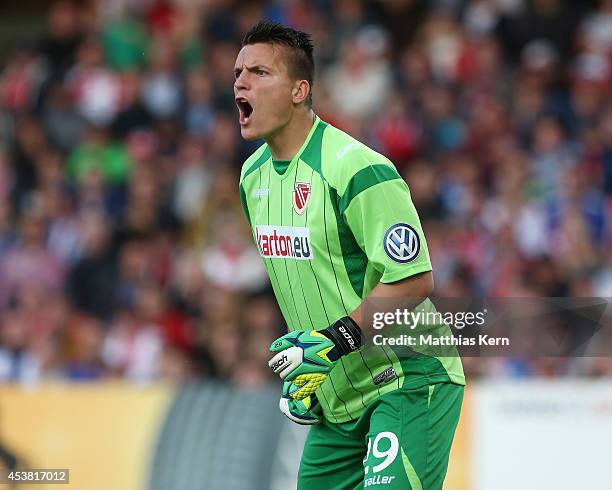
pixel 245 109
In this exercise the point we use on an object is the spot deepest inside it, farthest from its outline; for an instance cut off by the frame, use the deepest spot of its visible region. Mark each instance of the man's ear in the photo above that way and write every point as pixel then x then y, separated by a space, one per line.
pixel 301 91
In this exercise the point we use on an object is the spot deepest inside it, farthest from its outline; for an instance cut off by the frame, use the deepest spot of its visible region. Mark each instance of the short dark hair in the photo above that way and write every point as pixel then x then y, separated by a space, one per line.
pixel 300 61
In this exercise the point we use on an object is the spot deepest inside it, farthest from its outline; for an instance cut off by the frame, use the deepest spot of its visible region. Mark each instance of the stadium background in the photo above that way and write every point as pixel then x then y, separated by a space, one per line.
pixel 134 313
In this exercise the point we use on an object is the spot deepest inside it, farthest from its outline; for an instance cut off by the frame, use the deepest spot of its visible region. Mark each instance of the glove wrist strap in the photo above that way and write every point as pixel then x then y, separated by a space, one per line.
pixel 345 334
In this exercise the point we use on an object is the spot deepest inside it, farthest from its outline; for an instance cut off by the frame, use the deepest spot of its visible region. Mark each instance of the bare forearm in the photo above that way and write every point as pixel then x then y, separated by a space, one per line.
pixel 407 293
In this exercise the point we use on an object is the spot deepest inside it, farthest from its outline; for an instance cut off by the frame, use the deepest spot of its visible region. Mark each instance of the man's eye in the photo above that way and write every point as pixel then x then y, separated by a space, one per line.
pixel 260 73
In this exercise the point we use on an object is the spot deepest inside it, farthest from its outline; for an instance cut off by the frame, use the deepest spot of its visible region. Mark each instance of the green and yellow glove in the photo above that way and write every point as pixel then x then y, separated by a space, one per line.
pixel 305 357
pixel 306 411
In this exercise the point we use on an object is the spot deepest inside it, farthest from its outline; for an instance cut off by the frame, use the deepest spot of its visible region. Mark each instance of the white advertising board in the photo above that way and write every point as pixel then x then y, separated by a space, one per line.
pixel 540 435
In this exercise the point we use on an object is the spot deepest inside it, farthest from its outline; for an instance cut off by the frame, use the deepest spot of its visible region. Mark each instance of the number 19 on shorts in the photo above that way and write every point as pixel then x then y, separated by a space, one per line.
pixel 383 451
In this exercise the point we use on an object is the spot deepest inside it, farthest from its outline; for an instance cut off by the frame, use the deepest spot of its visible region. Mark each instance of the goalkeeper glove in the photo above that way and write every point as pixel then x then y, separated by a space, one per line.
pixel 304 411
pixel 307 356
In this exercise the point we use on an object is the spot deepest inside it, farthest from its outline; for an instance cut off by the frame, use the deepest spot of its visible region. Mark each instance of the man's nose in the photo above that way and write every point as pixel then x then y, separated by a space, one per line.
pixel 240 82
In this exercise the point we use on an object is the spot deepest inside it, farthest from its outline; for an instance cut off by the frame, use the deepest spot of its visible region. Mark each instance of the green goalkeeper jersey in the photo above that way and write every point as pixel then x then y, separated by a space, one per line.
pixel 330 225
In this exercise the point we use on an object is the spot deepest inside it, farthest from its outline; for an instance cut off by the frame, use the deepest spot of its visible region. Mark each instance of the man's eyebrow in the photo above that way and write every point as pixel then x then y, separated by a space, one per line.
pixel 252 68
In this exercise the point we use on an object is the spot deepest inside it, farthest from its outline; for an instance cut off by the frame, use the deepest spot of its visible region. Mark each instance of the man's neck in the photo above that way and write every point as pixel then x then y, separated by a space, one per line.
pixel 286 142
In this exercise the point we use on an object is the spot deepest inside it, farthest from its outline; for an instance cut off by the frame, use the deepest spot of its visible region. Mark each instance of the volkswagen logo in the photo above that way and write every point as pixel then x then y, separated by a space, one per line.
pixel 402 243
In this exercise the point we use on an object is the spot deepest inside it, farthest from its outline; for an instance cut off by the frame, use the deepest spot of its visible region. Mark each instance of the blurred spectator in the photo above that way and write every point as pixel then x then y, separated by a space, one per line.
pixel 7 232
pixel 84 339
pixel 553 156
pixel 96 88
pixel 360 79
pixel 28 264
pixel 60 120
pixel 161 87
pixel 21 80
pixel 596 29
pixel 552 20
pixel 125 42
pixel 29 142
pixel 97 153
pixel 17 363
pixel 192 180
pixel 133 115
pixel 131 348
pixel 91 282
pixel 199 113
pixel 62 40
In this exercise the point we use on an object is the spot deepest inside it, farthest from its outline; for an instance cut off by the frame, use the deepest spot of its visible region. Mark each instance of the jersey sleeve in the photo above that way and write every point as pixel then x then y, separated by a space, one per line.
pixel 257 158
pixel 378 209
pixel 245 206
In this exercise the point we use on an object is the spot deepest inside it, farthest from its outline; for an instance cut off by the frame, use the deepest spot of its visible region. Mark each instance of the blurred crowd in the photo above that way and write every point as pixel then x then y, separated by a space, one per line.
pixel 123 249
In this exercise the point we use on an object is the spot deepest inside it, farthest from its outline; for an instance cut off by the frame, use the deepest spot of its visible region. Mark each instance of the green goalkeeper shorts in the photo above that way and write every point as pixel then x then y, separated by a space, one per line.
pixel 402 441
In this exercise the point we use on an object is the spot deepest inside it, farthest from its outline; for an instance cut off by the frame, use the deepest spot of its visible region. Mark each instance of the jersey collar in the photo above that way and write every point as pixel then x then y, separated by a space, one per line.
pixel 304 149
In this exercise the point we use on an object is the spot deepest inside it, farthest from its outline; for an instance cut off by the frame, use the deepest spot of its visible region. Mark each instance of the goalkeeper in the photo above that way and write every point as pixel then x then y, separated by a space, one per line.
pixel 334 224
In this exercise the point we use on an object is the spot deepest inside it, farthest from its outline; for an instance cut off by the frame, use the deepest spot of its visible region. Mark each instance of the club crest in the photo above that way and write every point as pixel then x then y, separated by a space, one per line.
pixel 301 196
